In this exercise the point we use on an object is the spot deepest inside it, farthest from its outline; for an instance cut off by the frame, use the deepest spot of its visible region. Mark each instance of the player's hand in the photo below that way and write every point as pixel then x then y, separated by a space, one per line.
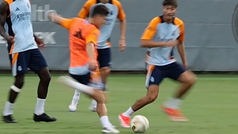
pixel 92 65
pixel 172 43
pixel 185 65
pixel 122 45
pixel 40 43
pixel 50 14
pixel 10 39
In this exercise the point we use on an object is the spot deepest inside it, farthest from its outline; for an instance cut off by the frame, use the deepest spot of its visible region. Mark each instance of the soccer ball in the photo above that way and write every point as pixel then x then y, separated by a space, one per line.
pixel 139 124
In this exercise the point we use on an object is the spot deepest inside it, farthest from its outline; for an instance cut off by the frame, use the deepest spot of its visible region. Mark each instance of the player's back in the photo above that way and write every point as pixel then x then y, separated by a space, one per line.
pixel 20 26
pixel 79 32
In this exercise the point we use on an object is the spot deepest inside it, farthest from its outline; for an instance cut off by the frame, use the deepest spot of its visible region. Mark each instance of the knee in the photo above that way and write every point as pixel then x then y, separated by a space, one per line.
pixel 192 79
pixel 108 70
pixel 46 78
pixel 44 75
pixel 19 83
pixel 151 98
pixel 105 71
pixel 99 96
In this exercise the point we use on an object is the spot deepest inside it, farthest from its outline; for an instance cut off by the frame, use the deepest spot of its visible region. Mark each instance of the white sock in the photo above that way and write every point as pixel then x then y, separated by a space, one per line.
pixel 68 81
pixel 128 112
pixel 39 110
pixel 8 108
pixel 76 97
pixel 93 103
pixel 105 122
pixel 173 103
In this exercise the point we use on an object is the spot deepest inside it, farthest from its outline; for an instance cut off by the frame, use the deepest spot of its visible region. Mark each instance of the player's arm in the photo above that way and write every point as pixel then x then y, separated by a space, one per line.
pixel 146 41
pixel 181 47
pixel 55 18
pixel 151 44
pixel 39 42
pixel 149 33
pixel 4 8
pixel 84 12
pixel 181 51
pixel 90 48
pixel 122 41
pixel 123 29
pixel 4 13
pixel 91 40
pixel 122 18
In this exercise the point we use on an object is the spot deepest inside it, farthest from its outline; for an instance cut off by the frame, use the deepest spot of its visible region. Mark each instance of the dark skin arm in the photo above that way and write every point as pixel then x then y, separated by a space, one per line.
pixel 39 42
pixel 4 13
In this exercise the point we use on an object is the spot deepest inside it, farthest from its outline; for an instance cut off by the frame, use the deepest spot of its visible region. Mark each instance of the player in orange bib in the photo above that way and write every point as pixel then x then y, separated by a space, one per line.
pixel 83 36
pixel 116 12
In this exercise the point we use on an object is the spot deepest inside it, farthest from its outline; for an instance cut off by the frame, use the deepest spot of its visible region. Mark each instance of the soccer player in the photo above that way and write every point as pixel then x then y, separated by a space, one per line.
pixel 161 36
pixel 104 51
pixel 83 35
pixel 24 53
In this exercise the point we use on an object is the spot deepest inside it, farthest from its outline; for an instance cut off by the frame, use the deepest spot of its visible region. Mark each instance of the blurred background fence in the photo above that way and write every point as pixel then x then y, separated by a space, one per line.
pixel 210 40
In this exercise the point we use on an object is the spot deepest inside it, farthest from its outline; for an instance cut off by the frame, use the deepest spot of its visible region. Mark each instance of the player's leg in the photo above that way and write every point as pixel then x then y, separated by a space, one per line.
pixel 39 66
pixel 74 101
pixel 96 94
pixel 187 78
pixel 94 77
pixel 19 68
pixel 83 78
pixel 104 59
pixel 153 78
pixel 102 112
pixel 96 82
pixel 105 71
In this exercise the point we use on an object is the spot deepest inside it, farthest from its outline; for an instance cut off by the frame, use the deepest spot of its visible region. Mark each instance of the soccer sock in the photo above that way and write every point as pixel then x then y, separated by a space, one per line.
pixel 105 122
pixel 173 103
pixel 128 112
pixel 68 81
pixel 76 97
pixel 8 109
pixel 39 110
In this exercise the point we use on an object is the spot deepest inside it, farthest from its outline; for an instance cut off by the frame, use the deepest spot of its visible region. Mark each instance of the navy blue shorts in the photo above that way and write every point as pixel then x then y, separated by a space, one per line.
pixel 83 79
pixel 92 79
pixel 156 74
pixel 32 59
pixel 104 57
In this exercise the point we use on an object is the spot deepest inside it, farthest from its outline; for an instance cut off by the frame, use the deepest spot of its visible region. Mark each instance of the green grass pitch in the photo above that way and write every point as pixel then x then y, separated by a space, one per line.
pixel 211 106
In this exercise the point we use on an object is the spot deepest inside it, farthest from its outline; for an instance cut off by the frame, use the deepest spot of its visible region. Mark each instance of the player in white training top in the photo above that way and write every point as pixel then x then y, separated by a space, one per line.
pixel 24 53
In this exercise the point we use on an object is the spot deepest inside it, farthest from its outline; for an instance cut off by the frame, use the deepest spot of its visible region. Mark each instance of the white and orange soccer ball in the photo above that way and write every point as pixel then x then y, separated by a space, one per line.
pixel 139 124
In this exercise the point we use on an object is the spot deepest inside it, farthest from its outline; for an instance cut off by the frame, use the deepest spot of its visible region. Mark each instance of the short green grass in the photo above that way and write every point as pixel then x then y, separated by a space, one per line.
pixel 211 106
